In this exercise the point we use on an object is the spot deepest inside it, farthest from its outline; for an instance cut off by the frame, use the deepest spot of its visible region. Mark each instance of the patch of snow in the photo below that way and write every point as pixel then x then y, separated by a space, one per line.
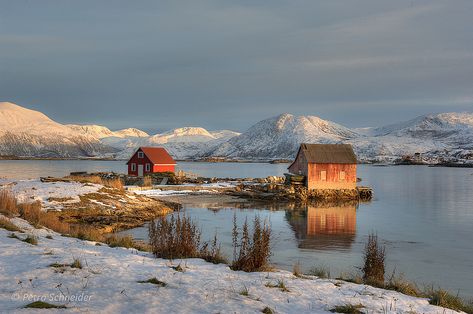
pixel 34 190
pixel 110 279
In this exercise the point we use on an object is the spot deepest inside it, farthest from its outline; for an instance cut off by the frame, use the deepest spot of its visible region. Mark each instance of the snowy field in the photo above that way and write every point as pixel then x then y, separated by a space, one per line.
pixel 34 190
pixel 109 282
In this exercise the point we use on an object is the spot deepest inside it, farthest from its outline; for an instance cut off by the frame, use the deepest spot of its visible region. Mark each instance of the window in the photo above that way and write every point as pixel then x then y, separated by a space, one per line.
pixel 323 175
pixel 148 167
pixel 141 155
pixel 342 175
pixel 133 167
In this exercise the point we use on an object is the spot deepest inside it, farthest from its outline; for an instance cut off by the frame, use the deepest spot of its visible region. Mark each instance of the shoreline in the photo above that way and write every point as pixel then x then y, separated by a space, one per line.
pixel 249 161
pixel 116 279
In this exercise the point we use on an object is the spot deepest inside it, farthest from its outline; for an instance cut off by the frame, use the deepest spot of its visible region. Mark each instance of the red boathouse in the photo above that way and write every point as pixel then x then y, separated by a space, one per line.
pixel 147 160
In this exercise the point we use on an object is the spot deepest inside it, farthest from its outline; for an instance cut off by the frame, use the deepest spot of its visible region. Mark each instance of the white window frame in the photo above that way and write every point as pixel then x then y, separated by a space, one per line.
pixel 148 167
pixel 323 175
pixel 342 175
pixel 141 155
pixel 133 166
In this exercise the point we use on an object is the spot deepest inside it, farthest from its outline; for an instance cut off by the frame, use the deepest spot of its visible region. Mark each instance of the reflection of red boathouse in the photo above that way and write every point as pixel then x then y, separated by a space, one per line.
pixel 324 226
pixel 331 220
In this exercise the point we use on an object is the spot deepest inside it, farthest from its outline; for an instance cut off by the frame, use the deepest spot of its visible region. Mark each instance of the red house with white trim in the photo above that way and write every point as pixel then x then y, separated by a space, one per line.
pixel 147 160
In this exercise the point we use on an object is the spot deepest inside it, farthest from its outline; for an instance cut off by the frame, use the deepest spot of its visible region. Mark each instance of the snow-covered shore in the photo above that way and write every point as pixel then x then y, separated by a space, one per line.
pixel 108 282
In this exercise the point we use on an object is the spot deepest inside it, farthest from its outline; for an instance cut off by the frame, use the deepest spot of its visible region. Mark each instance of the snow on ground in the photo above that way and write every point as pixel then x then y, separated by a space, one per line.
pixel 108 282
pixel 167 190
pixel 35 190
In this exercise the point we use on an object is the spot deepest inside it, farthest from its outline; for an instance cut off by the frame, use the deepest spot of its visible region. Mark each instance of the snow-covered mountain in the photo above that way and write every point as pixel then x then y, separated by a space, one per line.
pixel 279 137
pixel 181 143
pixel 448 136
pixel 25 132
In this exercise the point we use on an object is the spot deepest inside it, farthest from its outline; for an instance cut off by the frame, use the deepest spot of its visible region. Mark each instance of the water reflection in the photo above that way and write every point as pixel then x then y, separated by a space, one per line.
pixel 323 226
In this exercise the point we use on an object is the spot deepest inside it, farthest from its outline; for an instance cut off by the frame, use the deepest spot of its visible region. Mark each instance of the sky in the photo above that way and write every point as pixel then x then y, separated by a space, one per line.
pixel 158 65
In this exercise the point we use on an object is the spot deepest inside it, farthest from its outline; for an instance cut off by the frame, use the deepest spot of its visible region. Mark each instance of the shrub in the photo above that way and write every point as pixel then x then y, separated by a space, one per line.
pixel 8 205
pixel 5 223
pixel 374 257
pixel 176 237
pixel 179 237
pixel 253 252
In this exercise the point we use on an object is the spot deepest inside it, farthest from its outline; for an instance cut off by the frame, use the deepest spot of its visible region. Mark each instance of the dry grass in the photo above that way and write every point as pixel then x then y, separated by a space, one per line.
pixel 348 308
pixel 147 181
pixel 6 224
pixel 253 252
pixel 154 281
pixel 296 270
pixel 8 205
pixel 179 237
pixel 374 257
pixel 320 271
pixel 43 305
pixel 115 183
pixel 280 284
pixel 31 239
pixel 76 263
pixel 442 298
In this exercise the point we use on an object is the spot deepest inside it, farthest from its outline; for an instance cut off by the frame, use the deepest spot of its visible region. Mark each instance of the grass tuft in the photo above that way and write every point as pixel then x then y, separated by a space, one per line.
pixel 178 268
pixel 442 298
pixel 154 281
pixel 280 284
pixel 267 310
pixel 6 224
pixel 348 308
pixel 8 205
pixel 43 305
pixel 320 271
pixel 31 239
pixel 76 263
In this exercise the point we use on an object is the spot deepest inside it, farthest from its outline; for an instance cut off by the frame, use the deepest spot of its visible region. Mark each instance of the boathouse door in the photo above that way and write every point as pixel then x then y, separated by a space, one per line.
pixel 140 170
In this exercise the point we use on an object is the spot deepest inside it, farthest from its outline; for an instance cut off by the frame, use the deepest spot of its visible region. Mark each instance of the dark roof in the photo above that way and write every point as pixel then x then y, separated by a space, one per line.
pixel 328 153
pixel 157 155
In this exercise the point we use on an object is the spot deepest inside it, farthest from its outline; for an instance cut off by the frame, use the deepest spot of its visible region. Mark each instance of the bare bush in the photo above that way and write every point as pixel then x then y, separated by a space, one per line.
pixel 8 205
pixel 253 251
pixel 179 237
pixel 374 257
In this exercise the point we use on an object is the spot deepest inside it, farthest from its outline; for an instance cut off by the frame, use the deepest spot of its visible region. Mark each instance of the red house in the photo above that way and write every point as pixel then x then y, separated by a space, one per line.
pixel 147 160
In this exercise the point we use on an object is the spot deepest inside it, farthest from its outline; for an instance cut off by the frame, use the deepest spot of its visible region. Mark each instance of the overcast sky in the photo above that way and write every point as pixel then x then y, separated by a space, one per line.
pixel 158 65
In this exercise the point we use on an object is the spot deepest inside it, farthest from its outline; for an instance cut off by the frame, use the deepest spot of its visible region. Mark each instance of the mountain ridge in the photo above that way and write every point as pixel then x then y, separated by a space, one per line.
pixel 444 136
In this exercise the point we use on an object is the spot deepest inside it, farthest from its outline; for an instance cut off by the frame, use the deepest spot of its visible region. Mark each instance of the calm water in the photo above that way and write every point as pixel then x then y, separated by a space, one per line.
pixel 25 169
pixel 423 215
